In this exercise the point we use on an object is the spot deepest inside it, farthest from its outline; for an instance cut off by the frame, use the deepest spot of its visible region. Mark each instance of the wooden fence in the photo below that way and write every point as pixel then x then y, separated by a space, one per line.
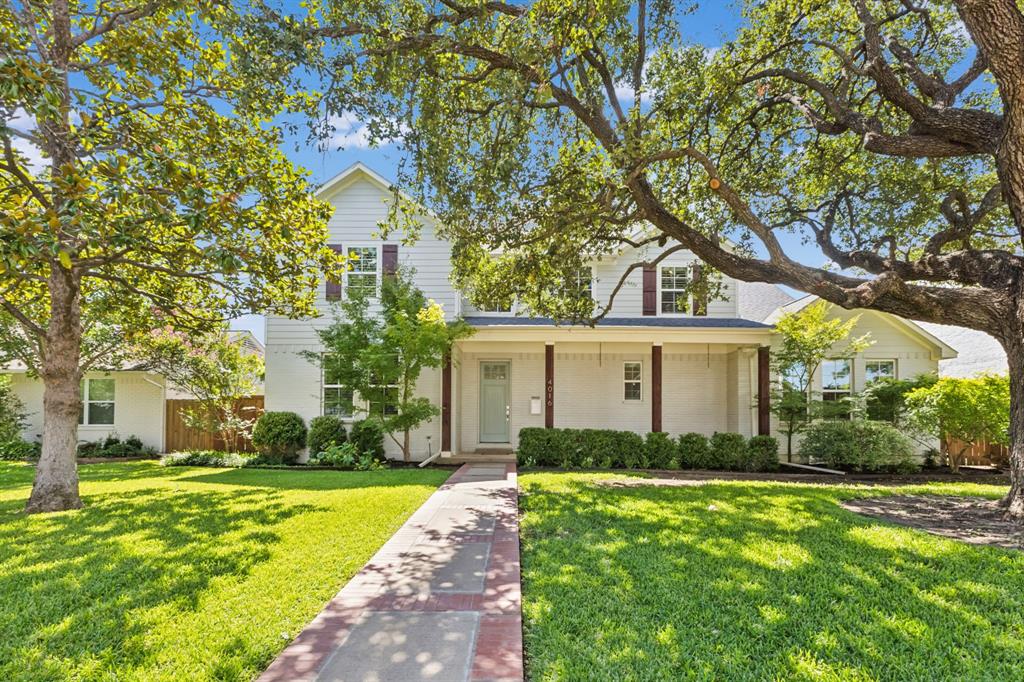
pixel 178 436
pixel 980 454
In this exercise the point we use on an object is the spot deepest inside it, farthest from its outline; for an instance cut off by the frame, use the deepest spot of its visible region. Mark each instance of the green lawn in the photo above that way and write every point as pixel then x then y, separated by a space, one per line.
pixel 756 581
pixel 182 573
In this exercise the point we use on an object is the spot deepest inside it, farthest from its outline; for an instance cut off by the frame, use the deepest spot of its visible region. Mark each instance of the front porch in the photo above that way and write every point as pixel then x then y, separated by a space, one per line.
pixel 677 379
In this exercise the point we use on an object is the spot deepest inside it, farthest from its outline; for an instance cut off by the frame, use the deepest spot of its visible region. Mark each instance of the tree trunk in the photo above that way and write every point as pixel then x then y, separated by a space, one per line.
pixel 56 483
pixel 406 454
pixel 1014 500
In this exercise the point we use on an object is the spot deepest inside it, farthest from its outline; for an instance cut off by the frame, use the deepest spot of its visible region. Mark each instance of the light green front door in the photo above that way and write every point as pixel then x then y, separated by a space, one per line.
pixel 494 406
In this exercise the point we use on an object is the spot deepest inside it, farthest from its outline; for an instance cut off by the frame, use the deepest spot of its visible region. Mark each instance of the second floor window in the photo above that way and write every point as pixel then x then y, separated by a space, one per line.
pixel 361 275
pixel 97 402
pixel 675 295
pixel 580 285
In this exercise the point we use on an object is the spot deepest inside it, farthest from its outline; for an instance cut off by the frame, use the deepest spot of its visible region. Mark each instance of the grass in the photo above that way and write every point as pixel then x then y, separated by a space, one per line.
pixel 756 581
pixel 183 573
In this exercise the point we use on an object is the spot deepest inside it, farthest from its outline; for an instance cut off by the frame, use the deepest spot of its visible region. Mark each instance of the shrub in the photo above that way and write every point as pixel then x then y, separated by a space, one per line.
pixel 581 448
pixel 279 436
pixel 12 420
pixel 727 451
pixel 206 458
pixel 347 456
pixel 112 446
pixel 662 451
pixel 323 432
pixel 368 437
pixel 762 454
pixel 17 450
pixel 858 445
pixel 693 451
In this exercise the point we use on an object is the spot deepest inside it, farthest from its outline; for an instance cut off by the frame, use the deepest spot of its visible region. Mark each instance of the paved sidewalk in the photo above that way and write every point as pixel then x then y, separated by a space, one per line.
pixel 440 601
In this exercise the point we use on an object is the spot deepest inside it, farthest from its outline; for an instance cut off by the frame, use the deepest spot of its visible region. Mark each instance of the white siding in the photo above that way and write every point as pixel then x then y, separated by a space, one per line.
pixel 138 408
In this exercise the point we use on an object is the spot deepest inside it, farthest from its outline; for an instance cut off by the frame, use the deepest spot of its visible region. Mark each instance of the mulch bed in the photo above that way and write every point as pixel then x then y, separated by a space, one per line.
pixel 968 519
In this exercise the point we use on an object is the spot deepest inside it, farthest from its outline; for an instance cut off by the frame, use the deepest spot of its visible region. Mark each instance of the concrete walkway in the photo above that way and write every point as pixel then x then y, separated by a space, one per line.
pixel 440 601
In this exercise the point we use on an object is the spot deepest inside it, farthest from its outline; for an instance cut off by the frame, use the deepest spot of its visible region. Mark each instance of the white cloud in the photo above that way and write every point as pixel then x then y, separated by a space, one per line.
pixel 346 131
pixel 23 122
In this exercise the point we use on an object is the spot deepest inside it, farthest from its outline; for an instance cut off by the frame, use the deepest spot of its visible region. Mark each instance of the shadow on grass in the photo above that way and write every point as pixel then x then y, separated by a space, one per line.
pixel 755 581
pixel 80 586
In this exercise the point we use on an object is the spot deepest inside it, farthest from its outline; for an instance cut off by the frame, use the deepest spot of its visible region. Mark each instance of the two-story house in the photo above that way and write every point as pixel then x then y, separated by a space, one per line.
pixel 657 362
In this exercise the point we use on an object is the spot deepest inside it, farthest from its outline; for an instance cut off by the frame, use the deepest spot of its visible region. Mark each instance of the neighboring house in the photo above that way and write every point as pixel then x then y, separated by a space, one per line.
pixel 250 346
pixel 128 402
pixel 125 402
pixel 978 352
pixel 658 361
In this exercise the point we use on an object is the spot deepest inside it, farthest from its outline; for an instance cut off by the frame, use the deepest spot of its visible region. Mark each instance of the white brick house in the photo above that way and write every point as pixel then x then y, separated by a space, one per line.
pixel 644 367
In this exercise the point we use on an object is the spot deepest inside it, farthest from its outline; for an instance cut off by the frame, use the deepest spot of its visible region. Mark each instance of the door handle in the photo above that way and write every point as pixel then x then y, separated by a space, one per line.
pixel 508 413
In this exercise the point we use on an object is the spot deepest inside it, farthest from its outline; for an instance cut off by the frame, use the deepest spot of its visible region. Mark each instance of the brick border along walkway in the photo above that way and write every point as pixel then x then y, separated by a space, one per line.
pixel 458 554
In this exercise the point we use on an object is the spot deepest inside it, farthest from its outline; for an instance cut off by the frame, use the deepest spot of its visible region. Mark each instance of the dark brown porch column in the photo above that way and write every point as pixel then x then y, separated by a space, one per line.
pixel 549 385
pixel 764 417
pixel 446 405
pixel 656 387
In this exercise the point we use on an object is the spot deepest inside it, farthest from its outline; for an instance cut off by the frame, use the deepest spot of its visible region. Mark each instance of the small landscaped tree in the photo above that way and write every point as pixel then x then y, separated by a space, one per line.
pixel 972 411
pixel 217 371
pixel 807 338
pixel 378 356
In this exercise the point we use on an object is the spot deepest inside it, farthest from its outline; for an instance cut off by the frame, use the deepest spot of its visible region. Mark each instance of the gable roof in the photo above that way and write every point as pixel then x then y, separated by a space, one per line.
pixel 357 169
pixel 945 350
pixel 757 300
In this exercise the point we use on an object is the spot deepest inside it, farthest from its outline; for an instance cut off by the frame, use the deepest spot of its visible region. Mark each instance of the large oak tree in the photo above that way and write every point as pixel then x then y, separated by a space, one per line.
pixel 890 133
pixel 141 185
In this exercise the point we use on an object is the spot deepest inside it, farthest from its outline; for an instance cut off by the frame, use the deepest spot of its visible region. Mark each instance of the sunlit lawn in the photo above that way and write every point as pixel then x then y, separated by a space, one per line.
pixel 184 574
pixel 756 581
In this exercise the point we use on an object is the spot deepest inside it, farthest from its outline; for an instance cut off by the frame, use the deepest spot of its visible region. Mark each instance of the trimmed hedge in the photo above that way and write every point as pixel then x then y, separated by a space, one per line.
pixel 325 431
pixel 859 445
pixel 606 448
pixel 207 458
pixel 279 436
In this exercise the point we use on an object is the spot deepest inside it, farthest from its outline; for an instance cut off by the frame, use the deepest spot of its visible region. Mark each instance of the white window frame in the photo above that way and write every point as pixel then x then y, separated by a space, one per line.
pixel 323 395
pixel 833 391
pixel 639 382
pixel 892 361
pixel 590 282
pixel 386 387
pixel 511 312
pixel 86 401
pixel 688 267
pixel 378 271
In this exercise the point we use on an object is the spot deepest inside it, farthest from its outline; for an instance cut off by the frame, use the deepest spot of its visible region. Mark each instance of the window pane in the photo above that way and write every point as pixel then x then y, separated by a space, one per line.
pixel 363 283
pixel 674 302
pixel 632 390
pixel 337 401
pixel 101 413
pixel 332 374
pixel 835 375
pixel 877 369
pixel 792 377
pixel 631 371
pixel 101 389
pixel 363 259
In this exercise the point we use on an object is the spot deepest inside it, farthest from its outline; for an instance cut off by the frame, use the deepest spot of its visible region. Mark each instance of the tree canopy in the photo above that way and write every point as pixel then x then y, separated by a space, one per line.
pixel 889 134
pixel 141 184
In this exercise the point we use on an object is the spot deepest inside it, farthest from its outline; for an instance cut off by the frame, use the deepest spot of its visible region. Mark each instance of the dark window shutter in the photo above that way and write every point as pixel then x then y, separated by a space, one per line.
pixel 389 259
pixel 700 300
pixel 334 279
pixel 650 290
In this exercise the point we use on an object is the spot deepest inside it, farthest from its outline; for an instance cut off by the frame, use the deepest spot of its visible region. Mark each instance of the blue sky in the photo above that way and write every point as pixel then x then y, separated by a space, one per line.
pixel 710 25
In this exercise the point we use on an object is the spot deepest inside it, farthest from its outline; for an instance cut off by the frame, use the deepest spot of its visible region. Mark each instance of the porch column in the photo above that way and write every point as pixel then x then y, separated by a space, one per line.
pixel 446 404
pixel 549 385
pixel 764 417
pixel 656 387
